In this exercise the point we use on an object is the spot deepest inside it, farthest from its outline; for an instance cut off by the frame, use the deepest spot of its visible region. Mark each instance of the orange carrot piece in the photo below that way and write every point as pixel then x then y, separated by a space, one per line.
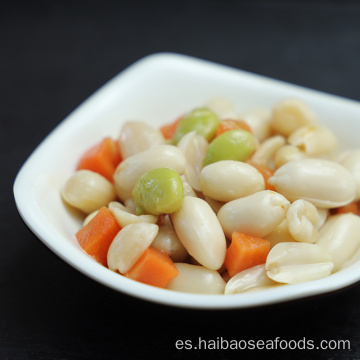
pixel 153 268
pixel 102 158
pixel 95 237
pixel 265 171
pixel 169 130
pixel 244 252
pixel 352 207
pixel 229 124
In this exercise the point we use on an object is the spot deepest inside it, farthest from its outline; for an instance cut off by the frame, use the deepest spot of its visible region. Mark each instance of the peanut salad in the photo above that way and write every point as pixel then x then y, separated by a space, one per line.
pixel 216 202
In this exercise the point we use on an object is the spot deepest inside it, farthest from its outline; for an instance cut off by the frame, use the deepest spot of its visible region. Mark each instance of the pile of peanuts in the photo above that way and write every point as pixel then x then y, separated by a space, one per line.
pixel 310 179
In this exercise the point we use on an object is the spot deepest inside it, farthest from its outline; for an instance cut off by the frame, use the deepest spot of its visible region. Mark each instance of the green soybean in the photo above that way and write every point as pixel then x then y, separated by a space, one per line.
pixel 202 120
pixel 231 145
pixel 158 191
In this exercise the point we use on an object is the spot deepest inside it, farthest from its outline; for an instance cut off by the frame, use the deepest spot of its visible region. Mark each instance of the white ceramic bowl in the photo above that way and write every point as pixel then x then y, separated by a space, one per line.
pixel 157 89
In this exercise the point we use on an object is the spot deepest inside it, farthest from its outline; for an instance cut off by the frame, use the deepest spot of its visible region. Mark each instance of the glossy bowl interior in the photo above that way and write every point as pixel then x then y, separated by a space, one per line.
pixel 157 89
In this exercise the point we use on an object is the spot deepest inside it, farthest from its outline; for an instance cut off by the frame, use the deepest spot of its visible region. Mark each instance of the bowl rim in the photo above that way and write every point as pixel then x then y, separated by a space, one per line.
pixel 87 266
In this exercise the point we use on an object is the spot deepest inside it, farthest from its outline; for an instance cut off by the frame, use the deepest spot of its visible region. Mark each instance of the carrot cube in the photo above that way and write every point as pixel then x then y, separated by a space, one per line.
pixel 102 158
pixel 169 130
pixel 244 252
pixel 95 237
pixel 265 171
pixel 153 268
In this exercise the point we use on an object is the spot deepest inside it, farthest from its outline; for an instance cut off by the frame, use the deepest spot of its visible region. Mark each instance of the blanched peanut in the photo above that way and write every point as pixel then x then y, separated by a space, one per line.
pixel 314 140
pixel 88 191
pixel 137 136
pixel 188 190
pixel 257 214
pixel 124 217
pixel 293 263
pixel 279 234
pixel 259 122
pixel 324 183
pixel 353 259
pixel 248 279
pixel 352 162
pixel 165 220
pixel 129 170
pixel 194 148
pixel 340 236
pixel 323 215
pixel 228 180
pixel 266 151
pixel 129 244
pixel 261 288
pixel 200 232
pixel 303 219
pixel 289 115
pixel 287 153
pixel 222 107
pixel 221 270
pixel 197 279
pixel 166 240
pixel 130 206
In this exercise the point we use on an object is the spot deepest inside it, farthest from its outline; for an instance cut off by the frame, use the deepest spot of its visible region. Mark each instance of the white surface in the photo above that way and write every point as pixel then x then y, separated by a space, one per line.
pixel 157 89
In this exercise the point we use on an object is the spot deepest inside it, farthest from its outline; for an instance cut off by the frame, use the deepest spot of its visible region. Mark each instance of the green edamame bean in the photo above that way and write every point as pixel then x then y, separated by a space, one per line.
pixel 158 191
pixel 201 120
pixel 231 145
